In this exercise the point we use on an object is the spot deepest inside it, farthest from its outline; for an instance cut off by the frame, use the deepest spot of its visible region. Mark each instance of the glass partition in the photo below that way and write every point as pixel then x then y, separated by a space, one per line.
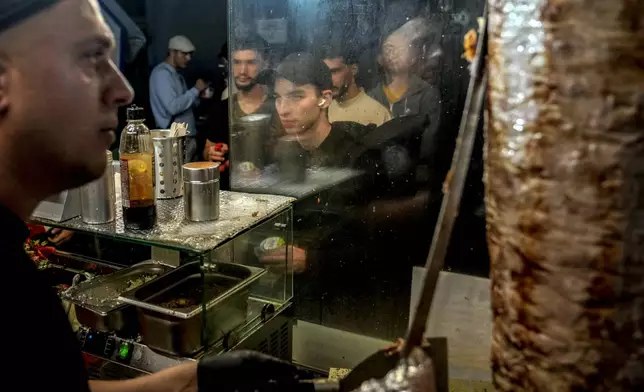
pixel 353 107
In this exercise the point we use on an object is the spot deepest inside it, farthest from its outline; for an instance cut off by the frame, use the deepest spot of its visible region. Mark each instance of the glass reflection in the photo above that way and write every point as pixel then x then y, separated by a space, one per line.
pixel 366 164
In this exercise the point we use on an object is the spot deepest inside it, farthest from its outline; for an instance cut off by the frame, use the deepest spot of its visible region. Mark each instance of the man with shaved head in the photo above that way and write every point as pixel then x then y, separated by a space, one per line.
pixel 59 94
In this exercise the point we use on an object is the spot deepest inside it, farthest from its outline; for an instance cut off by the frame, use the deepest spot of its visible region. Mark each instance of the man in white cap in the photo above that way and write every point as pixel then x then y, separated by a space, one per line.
pixel 59 95
pixel 170 99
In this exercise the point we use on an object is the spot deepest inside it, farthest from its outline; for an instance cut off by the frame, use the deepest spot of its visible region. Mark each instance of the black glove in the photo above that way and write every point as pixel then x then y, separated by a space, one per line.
pixel 246 371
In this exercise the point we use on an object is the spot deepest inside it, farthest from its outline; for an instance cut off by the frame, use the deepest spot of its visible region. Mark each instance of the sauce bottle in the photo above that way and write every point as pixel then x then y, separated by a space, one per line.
pixel 137 172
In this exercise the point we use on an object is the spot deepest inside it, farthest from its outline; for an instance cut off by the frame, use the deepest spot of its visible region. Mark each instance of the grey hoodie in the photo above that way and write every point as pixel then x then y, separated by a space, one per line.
pixel 420 99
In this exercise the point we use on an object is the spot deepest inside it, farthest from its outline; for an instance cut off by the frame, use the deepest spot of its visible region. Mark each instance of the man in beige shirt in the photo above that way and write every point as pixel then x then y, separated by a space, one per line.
pixel 350 102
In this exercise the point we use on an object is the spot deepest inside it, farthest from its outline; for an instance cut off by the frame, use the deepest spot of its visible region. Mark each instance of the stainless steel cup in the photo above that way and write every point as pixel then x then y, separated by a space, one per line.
pixel 201 183
pixel 248 140
pixel 98 198
pixel 168 160
pixel 292 160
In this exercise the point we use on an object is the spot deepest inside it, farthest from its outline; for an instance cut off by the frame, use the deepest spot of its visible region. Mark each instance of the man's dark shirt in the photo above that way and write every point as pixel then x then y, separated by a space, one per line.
pixel 41 351
pixel 356 259
pixel 340 146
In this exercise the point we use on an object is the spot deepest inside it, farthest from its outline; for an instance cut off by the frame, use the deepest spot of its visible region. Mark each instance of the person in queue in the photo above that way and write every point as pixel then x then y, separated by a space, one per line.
pixel 334 229
pixel 303 95
pixel 303 90
pixel 350 102
pixel 251 97
pixel 60 91
pixel 403 92
pixel 170 99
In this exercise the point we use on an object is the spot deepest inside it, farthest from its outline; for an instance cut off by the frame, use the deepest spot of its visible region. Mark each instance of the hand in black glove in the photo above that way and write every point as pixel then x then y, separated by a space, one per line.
pixel 245 371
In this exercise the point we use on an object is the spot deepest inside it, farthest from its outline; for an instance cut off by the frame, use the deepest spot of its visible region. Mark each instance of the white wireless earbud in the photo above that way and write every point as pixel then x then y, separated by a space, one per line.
pixel 322 102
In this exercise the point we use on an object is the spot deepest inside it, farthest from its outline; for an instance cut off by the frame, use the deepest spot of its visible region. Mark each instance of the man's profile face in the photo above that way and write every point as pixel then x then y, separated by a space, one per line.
pixel 342 74
pixel 297 106
pixel 59 95
pixel 181 59
pixel 246 66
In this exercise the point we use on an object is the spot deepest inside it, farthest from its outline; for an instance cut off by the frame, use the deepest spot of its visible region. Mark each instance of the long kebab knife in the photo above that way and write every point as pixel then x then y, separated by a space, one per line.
pixel 452 199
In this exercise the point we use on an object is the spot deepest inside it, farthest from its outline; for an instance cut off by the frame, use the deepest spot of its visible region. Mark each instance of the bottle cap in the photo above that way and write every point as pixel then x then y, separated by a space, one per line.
pixel 135 113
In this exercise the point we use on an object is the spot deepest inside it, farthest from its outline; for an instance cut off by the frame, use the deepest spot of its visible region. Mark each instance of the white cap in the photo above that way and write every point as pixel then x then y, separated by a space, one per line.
pixel 181 43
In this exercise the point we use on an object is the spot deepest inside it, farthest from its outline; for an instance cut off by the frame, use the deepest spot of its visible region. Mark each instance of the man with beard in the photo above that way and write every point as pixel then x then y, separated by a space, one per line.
pixel 252 97
pixel 59 96
pixel 350 102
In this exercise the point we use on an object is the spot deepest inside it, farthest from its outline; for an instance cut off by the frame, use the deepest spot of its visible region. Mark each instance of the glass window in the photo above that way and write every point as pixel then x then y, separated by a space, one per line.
pixel 351 107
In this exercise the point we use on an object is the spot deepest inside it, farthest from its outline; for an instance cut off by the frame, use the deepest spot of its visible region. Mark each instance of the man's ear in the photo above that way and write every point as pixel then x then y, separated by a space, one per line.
pixel 354 69
pixel 325 99
pixel 4 86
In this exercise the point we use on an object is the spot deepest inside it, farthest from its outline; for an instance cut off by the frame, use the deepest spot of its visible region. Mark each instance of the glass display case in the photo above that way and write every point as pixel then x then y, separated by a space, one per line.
pixel 217 286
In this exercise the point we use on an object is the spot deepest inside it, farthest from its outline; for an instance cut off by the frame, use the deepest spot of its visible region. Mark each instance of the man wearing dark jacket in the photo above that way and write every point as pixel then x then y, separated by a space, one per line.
pixel 403 92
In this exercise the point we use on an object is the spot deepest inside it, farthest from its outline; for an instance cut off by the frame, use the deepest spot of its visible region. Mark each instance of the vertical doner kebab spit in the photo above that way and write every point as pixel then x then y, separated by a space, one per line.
pixel 564 179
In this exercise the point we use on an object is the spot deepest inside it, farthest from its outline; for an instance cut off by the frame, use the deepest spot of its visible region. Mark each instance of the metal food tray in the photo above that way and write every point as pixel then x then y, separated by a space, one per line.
pixel 97 301
pixel 180 331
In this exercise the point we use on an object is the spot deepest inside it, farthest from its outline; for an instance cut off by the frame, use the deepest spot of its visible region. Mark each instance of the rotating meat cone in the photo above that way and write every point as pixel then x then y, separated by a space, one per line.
pixel 564 181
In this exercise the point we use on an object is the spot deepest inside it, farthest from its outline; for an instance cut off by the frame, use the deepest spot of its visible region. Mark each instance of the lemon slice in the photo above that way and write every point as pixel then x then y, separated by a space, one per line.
pixel 136 166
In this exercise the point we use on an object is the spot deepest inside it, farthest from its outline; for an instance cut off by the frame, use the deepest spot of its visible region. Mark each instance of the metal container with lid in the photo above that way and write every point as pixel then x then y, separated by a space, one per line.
pixel 98 198
pixel 292 159
pixel 97 301
pixel 201 188
pixel 193 306
pixel 248 140
pixel 168 161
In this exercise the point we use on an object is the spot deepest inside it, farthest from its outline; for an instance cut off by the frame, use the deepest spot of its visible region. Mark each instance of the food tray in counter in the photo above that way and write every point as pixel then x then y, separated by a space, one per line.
pixel 171 308
pixel 63 270
pixel 97 301
pixel 238 212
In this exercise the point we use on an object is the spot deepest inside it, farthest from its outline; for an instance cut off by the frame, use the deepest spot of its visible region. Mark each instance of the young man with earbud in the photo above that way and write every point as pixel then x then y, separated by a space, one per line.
pixel 332 230
pixel 304 92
